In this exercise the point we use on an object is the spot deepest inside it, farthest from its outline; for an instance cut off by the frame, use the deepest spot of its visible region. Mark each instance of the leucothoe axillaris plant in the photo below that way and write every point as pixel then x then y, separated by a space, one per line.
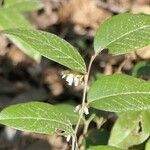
pixel 128 96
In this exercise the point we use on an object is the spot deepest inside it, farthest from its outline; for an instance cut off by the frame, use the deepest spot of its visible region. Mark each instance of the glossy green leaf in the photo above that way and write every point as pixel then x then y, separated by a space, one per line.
pixel 120 93
pixel 103 148
pixel 11 19
pixel 52 47
pixel 23 5
pixel 128 130
pixel 68 110
pixel 123 33
pixel 36 117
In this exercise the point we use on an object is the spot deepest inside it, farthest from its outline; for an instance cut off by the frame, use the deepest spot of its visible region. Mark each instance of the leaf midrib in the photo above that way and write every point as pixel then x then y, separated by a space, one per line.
pixel 123 35
pixel 46 43
pixel 120 94
pixel 32 118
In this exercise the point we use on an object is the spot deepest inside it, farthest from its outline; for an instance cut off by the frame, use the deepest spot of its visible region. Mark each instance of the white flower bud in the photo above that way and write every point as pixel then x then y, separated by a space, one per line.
pixel 70 79
pixel 63 76
pixel 76 81
pixel 68 138
pixel 77 109
pixel 86 111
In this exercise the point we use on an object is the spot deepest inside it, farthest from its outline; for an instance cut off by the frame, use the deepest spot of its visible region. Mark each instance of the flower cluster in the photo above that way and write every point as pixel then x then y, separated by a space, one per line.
pixel 72 78
pixel 78 109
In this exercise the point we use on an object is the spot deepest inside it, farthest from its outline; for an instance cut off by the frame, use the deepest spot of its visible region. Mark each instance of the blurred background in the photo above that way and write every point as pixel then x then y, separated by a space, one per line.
pixel 22 79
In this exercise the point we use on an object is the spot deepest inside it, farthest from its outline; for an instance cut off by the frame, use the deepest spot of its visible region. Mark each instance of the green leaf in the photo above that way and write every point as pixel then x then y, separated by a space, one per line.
pixel 36 117
pixel 23 5
pixel 11 19
pixel 123 33
pixel 52 47
pixel 120 93
pixel 97 137
pixel 147 145
pixel 103 148
pixel 68 110
pixel 146 119
pixel 128 130
pixel 142 69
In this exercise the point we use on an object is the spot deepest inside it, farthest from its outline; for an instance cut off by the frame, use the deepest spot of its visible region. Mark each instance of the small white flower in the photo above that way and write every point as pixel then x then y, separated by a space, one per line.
pixel 68 138
pixel 77 109
pixel 86 111
pixel 70 79
pixel 76 81
pixel 63 76
pixel 73 78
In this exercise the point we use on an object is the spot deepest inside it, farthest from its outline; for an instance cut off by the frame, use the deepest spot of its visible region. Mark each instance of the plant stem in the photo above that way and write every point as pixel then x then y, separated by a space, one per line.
pixel 127 57
pixel 83 100
pixel 85 130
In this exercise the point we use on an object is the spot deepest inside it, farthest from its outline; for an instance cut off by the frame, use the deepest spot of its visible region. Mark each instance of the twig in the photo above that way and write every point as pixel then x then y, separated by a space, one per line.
pixel 83 101
pixel 123 64
pixel 85 129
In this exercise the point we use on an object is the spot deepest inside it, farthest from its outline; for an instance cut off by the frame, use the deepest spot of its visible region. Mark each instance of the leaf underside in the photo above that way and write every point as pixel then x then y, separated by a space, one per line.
pixel 131 125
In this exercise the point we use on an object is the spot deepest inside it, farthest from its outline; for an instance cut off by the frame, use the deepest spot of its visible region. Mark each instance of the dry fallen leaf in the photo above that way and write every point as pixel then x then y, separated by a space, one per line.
pixel 84 14
pixel 117 6
pixel 16 56
pixel 138 9
pixel 144 53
